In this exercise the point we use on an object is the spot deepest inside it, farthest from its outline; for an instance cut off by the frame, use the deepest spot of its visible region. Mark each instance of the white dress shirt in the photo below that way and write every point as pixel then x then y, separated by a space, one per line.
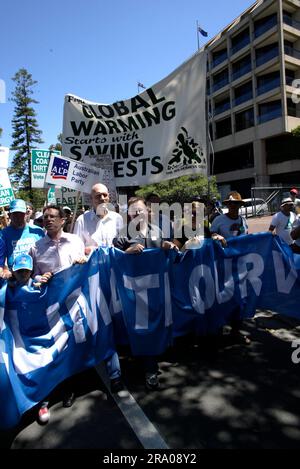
pixel 96 231
pixel 54 255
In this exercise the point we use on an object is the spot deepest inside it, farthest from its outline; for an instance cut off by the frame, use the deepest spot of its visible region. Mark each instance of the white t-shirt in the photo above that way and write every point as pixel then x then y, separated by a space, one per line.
pixel 95 231
pixel 228 227
pixel 283 225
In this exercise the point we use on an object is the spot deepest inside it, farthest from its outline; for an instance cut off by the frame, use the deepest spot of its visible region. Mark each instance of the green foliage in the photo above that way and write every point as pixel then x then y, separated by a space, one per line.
pixel 36 196
pixel 58 145
pixel 296 131
pixel 182 189
pixel 26 134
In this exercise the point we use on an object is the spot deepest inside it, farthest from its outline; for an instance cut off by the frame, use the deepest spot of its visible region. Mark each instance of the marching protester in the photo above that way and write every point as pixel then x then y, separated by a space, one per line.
pixel 18 237
pixel 133 240
pixel 228 225
pixel 56 251
pixel 164 222
pixel 68 219
pixel 193 229
pixel 21 277
pixel 98 226
pixel 294 193
pixel 29 213
pixel 295 233
pixel 4 219
pixel 282 221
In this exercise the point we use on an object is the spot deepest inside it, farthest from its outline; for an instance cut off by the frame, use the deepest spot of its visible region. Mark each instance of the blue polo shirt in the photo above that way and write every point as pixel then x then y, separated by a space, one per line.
pixel 18 241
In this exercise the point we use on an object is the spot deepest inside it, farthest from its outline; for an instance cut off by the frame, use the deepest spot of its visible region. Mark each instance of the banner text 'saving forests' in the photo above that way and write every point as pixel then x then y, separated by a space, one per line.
pixel 157 135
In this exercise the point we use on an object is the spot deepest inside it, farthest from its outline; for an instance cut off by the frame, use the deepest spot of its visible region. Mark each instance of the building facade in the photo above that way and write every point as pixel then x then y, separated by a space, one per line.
pixel 251 99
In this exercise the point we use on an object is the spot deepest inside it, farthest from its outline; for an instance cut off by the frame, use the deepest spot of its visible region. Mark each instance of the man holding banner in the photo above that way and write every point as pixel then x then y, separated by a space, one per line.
pixel 99 226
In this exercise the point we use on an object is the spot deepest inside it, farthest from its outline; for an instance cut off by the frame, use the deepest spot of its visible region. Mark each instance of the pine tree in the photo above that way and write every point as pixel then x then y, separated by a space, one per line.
pixel 26 133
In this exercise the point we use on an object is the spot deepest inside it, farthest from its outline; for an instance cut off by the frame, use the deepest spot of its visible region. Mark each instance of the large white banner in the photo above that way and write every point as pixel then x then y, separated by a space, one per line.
pixel 157 135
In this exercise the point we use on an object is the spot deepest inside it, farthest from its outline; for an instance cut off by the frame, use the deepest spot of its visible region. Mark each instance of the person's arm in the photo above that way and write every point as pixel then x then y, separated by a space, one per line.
pixel 272 228
pixel 218 237
pixel 295 233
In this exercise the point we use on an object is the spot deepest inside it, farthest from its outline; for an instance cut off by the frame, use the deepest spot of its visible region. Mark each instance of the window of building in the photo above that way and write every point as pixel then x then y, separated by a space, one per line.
pixel 289 76
pixel 240 40
pixel 243 93
pixel 222 105
pixel 292 108
pixel 219 57
pixel 282 148
pixel 266 53
pixel 234 159
pixel 241 67
pixel 223 127
pixel 269 111
pixel 267 82
pixel 220 79
pixel 244 119
pixel 264 24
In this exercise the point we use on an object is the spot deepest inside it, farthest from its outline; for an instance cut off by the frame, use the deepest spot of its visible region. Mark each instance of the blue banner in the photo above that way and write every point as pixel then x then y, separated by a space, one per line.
pixel 144 300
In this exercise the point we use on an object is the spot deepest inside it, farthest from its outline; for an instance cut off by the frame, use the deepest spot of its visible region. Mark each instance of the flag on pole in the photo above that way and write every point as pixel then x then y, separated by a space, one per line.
pixel 141 85
pixel 201 31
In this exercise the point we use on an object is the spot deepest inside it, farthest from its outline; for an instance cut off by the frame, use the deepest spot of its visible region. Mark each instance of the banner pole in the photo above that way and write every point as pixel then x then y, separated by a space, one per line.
pixel 75 211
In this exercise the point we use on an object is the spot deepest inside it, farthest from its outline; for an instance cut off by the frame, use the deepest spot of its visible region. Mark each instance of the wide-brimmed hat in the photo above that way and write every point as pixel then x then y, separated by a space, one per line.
pixel 286 201
pixel 233 197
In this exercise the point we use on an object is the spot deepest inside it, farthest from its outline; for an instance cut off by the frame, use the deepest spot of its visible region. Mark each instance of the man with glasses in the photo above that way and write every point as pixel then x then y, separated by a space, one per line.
pixel 99 226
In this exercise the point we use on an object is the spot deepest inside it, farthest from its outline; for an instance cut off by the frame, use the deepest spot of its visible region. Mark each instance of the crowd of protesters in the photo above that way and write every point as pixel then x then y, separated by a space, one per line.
pixel 34 245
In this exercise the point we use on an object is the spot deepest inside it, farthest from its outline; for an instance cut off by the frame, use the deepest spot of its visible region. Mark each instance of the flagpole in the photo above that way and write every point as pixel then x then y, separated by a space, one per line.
pixel 198 35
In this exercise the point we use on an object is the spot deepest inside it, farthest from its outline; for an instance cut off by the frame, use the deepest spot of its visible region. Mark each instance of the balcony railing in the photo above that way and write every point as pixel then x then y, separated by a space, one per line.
pixel 265 57
pixel 291 22
pixel 292 52
pixel 244 97
pixel 222 108
pixel 269 115
pixel 262 28
pixel 243 42
pixel 241 71
pixel 268 85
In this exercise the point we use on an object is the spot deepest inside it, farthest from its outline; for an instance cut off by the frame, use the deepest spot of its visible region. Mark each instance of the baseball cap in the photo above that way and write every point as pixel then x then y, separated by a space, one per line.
pixel 294 191
pixel 17 205
pixel 23 261
pixel 67 209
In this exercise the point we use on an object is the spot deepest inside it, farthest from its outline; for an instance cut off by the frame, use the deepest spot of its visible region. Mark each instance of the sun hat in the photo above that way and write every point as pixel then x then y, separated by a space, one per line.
pixel 23 261
pixel 286 201
pixel 233 197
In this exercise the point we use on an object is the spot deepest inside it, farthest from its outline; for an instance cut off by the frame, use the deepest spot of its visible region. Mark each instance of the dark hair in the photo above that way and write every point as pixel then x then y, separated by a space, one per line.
pixel 133 200
pixel 56 207
pixel 152 194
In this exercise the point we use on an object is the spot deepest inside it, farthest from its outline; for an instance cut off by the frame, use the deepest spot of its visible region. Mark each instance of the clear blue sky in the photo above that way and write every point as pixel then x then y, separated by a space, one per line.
pixel 98 49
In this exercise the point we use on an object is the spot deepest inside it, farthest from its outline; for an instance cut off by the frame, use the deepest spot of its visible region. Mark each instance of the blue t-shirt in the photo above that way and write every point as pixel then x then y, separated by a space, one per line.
pixel 18 241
